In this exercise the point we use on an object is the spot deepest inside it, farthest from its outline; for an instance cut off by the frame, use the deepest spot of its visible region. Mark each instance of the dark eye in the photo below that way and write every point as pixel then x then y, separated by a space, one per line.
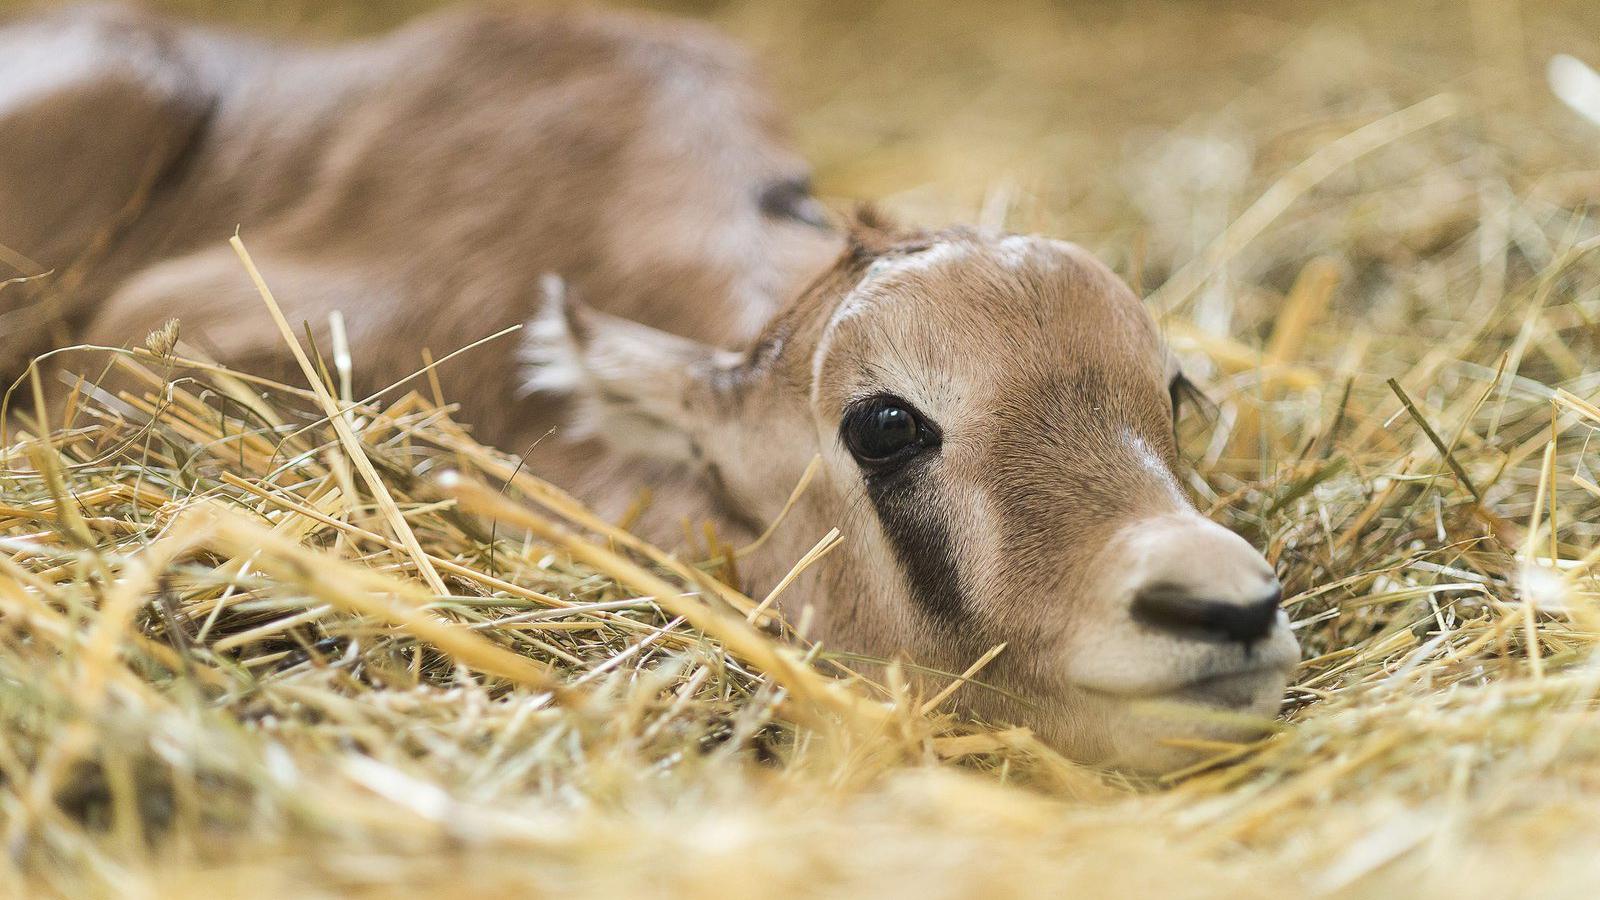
pixel 790 198
pixel 883 431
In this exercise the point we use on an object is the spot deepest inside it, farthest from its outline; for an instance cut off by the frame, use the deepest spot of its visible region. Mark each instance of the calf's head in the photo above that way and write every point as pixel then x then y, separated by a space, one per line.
pixel 994 415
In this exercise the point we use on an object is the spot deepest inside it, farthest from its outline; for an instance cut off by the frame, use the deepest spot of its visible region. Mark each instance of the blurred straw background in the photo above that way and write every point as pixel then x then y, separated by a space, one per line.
pixel 245 651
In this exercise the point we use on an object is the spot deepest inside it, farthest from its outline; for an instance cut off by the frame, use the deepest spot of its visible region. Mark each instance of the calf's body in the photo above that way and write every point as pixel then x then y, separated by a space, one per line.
pixel 420 182
pixel 989 415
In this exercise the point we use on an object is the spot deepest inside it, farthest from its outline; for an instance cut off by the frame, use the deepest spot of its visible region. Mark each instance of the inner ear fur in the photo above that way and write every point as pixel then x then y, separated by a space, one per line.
pixel 638 388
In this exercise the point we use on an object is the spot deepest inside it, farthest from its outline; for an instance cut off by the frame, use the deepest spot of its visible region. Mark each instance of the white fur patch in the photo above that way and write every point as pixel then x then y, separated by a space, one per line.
pixel 1013 251
pixel 614 394
pixel 1151 462
pixel 1018 250
pixel 853 304
pixel 39 69
pixel 551 360
pixel 864 295
pixel 935 255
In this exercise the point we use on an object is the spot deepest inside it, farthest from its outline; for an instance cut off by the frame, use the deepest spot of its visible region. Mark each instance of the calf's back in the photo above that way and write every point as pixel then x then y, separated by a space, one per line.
pixel 420 183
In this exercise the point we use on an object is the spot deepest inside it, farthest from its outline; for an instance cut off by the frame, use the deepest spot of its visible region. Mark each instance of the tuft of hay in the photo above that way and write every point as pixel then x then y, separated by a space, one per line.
pixel 260 638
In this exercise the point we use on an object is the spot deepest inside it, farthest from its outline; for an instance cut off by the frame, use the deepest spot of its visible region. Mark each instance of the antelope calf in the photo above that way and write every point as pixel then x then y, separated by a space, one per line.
pixel 993 412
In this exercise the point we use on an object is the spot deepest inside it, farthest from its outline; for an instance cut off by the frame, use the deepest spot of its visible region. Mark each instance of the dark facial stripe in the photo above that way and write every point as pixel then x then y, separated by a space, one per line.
pixel 915 528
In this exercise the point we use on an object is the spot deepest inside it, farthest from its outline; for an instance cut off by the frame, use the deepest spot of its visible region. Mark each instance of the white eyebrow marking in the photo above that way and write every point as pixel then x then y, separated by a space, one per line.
pixel 851 306
pixel 865 294
pixel 1014 250
pixel 936 254
pixel 1152 463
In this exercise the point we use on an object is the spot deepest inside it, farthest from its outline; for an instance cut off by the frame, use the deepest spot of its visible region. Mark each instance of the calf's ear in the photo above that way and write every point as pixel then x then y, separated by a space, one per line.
pixel 642 390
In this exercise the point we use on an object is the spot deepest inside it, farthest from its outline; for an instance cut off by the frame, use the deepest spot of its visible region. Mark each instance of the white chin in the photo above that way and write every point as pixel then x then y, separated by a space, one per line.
pixel 1193 723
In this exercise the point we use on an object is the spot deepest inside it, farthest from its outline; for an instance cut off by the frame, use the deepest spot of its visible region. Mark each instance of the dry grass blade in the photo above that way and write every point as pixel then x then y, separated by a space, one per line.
pixel 341 426
pixel 811 690
pixel 222 674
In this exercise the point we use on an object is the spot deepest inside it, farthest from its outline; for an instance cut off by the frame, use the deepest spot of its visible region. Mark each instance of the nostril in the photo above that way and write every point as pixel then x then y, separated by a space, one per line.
pixel 1174 608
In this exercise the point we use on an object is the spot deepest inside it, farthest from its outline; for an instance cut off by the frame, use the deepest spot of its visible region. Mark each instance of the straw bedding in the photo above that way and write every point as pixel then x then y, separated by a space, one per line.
pixel 259 638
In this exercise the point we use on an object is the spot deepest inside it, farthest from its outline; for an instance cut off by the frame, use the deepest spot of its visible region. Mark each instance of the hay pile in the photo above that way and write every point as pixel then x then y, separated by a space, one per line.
pixel 258 638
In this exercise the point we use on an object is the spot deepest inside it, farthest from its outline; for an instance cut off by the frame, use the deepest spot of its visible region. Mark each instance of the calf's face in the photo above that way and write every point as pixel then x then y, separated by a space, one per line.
pixel 994 419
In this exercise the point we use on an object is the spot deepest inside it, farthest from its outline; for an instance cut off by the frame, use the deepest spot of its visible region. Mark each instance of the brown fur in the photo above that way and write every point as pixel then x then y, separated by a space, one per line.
pixel 1054 484
pixel 424 183
pixel 421 182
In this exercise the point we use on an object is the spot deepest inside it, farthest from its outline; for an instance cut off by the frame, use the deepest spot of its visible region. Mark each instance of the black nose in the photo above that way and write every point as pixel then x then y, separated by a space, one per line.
pixel 1175 608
